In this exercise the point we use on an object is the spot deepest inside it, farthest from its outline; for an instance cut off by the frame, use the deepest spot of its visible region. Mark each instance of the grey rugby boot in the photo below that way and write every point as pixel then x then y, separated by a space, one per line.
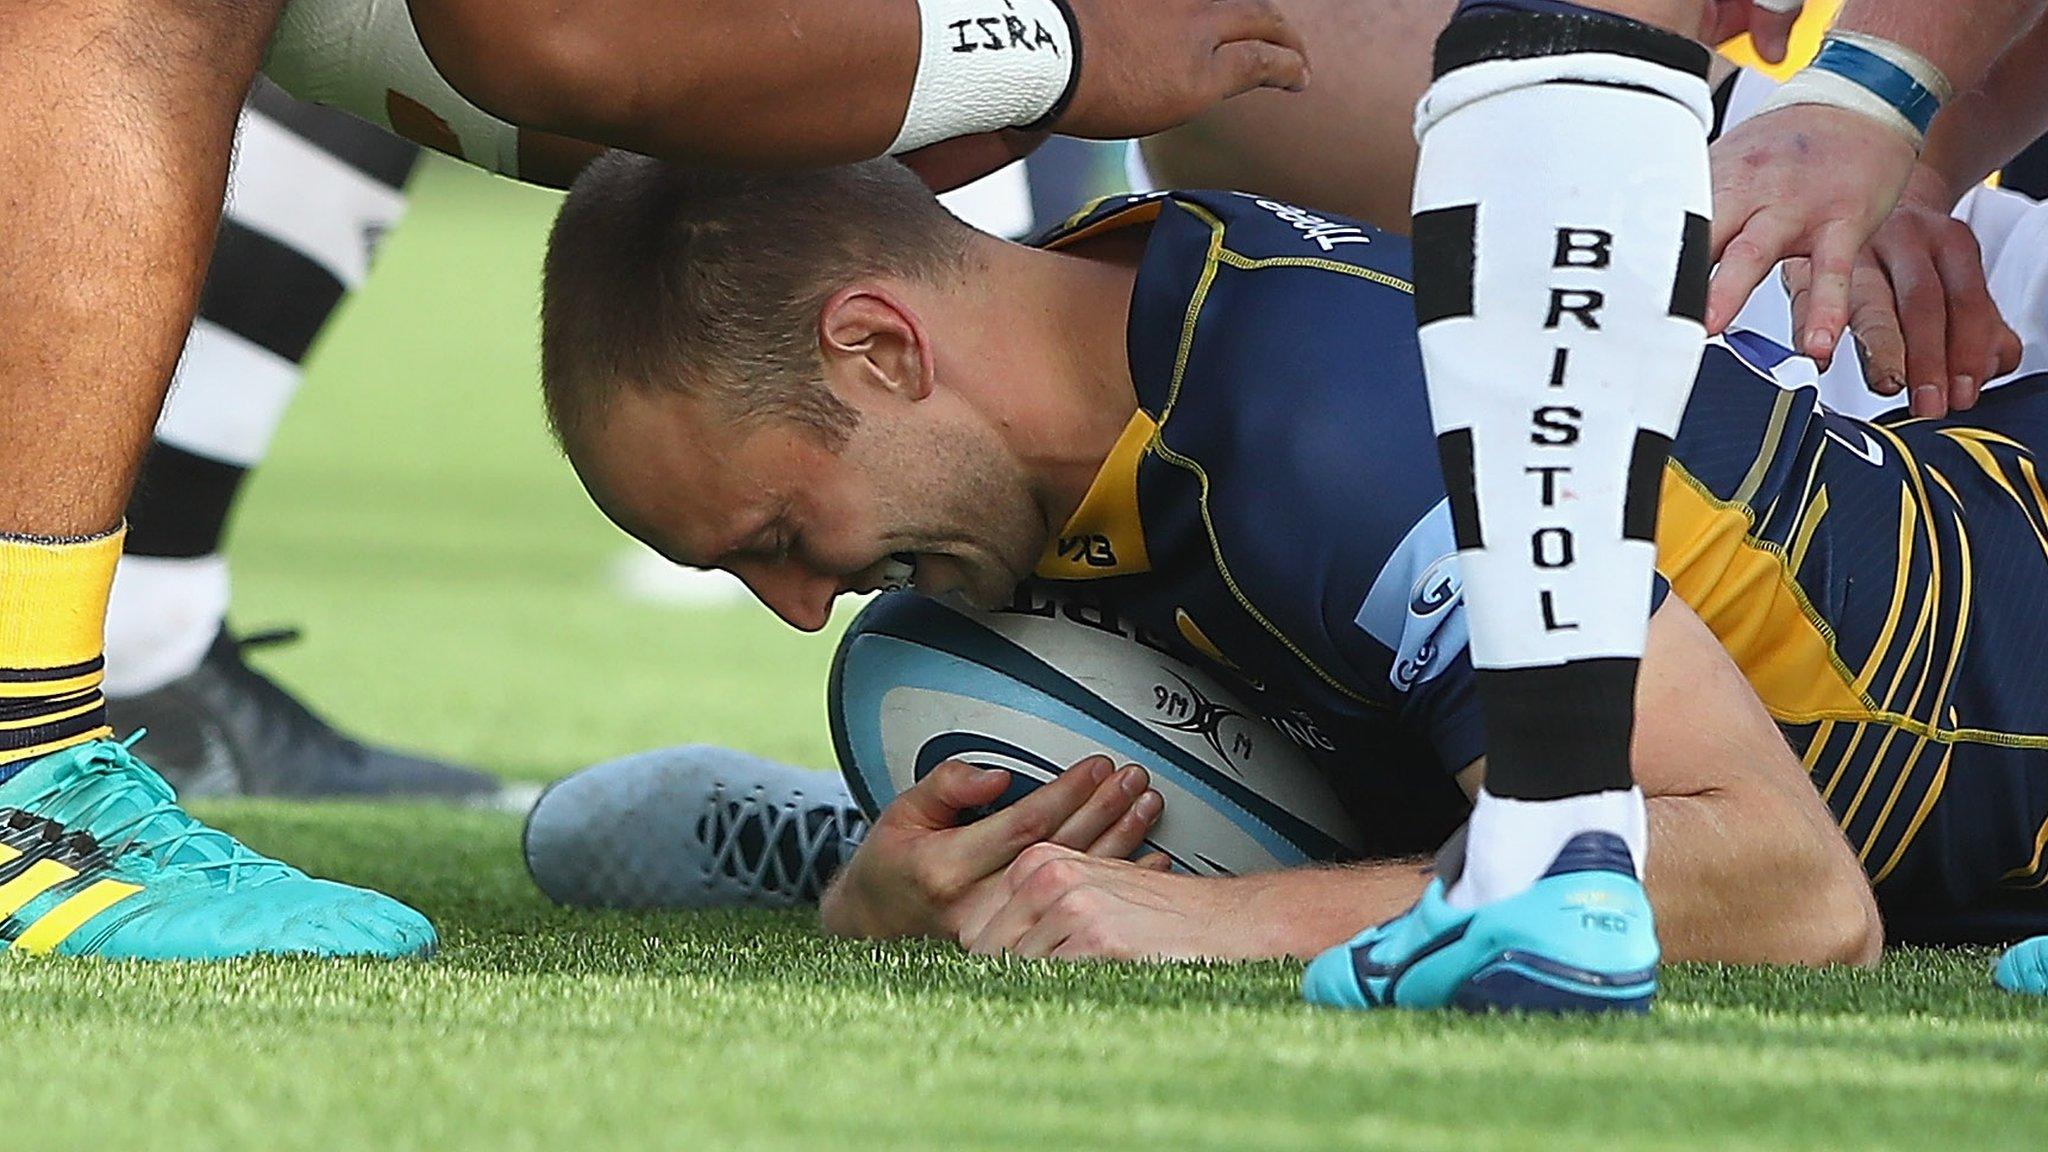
pixel 691 827
pixel 225 729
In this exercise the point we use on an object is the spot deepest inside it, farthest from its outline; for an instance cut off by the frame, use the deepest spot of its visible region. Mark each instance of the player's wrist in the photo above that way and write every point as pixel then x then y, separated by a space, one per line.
pixel 1932 188
pixel 1881 80
pixel 850 905
pixel 986 65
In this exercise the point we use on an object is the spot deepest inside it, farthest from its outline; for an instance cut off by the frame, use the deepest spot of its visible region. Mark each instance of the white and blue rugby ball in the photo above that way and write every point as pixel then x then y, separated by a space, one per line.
pixel 917 682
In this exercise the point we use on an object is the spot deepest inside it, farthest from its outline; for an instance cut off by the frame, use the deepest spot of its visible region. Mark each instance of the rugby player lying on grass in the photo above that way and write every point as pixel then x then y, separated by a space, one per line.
pixel 821 381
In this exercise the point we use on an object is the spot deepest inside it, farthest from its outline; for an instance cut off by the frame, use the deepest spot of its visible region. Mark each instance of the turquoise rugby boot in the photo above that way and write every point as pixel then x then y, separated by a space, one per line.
pixel 2024 968
pixel 1580 939
pixel 97 859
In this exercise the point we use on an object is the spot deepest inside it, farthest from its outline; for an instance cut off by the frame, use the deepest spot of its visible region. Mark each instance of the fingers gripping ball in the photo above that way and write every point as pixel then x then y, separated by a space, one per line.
pixel 917 683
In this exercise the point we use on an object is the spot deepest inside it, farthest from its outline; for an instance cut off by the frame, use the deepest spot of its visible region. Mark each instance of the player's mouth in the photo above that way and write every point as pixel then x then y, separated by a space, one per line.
pixel 892 573
pixel 898 571
pixel 902 570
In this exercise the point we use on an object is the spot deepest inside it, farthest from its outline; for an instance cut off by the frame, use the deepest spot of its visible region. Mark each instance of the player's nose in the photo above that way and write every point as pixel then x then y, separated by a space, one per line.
pixel 802 599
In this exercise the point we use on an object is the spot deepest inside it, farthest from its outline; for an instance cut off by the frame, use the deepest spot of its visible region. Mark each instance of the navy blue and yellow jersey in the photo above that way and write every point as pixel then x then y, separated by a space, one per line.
pixel 1275 510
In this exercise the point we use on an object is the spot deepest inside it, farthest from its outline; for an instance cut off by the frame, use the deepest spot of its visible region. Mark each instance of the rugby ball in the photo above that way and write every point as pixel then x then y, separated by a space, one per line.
pixel 916 682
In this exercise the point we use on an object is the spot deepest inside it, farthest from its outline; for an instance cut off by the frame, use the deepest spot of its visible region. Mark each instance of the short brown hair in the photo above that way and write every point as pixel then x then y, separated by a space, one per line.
pixel 666 277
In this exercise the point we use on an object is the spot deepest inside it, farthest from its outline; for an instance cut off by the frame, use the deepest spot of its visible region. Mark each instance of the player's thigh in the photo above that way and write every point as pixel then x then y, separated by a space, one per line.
pixel 1347 143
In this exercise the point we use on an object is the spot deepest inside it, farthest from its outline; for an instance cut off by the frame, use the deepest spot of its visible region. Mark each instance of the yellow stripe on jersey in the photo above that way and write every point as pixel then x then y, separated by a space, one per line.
pixel 1848 757
pixel 1891 800
pixel 2034 486
pixel 1906 838
pixel 1909 515
pixel 1926 624
pixel 1809 521
pixel 1976 442
pixel 1966 589
pixel 1959 624
pixel 1766 450
pixel 1742 589
pixel 41 876
pixel 60 922
pixel 1106 536
pixel 2032 866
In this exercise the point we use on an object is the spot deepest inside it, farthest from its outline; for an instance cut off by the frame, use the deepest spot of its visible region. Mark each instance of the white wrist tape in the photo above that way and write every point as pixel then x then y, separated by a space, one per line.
pixel 985 65
pixel 1781 7
pixel 1913 64
pixel 363 57
pixel 1808 86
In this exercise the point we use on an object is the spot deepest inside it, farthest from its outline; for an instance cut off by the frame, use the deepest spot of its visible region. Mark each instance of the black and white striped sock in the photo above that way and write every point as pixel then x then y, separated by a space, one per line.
pixel 311 194
pixel 1561 217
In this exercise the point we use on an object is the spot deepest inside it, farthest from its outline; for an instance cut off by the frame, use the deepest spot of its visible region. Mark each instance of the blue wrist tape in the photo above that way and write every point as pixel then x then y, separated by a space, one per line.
pixel 1882 78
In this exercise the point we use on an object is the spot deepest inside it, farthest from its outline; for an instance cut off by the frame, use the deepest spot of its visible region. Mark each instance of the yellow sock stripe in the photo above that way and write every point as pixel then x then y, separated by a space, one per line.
pixel 70 685
pixel 41 876
pixel 53 600
pixel 20 755
pixel 60 922
pixel 62 711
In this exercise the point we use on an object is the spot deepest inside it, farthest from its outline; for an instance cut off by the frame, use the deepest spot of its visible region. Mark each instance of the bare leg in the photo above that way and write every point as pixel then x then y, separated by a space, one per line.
pixel 113 165
pixel 1347 142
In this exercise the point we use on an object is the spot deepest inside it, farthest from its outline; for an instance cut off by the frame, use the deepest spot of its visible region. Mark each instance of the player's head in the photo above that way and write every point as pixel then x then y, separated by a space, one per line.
pixel 747 372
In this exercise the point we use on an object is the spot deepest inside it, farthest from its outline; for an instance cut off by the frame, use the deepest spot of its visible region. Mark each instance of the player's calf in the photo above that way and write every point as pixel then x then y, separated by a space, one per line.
pixel 1561 216
pixel 1561 219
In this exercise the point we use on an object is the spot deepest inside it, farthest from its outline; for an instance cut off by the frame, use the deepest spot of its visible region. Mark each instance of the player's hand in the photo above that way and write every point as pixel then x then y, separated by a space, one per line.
pixel 1065 905
pixel 1770 33
pixel 964 159
pixel 1919 305
pixel 1147 65
pixel 921 872
pixel 1808 180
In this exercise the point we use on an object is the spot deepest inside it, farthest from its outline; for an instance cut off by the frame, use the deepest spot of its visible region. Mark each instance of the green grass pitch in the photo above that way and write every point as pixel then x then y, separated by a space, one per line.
pixel 452 583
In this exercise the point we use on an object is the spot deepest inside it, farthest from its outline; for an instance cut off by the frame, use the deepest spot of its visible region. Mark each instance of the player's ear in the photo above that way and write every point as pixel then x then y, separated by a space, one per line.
pixel 870 338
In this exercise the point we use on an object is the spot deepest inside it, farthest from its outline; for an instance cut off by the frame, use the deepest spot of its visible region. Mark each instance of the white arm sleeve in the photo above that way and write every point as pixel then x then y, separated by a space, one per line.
pixel 364 57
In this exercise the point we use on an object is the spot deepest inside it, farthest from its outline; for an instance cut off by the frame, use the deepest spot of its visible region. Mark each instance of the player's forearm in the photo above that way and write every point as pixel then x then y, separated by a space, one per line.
pixel 1731 882
pixel 1986 126
pixel 822 82
pixel 1303 911
pixel 1961 40
pixel 1347 144
pixel 1736 881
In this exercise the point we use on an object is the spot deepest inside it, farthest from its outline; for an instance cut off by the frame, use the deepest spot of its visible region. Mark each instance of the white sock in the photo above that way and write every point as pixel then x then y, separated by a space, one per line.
pixel 161 618
pixel 1511 843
